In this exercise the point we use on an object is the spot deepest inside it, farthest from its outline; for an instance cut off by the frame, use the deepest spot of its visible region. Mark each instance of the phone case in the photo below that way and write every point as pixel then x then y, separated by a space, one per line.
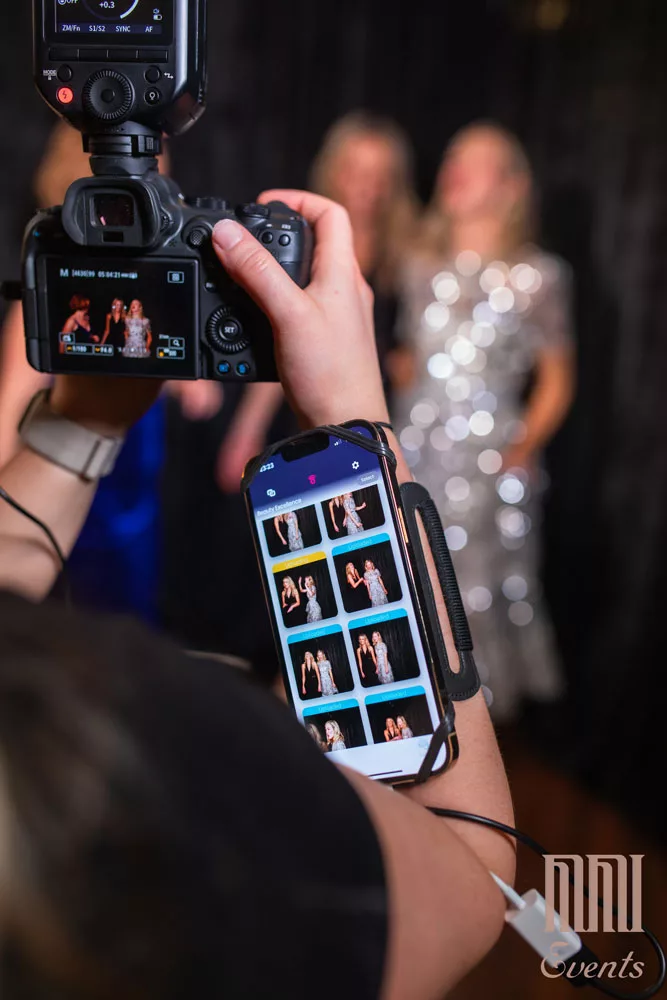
pixel 416 504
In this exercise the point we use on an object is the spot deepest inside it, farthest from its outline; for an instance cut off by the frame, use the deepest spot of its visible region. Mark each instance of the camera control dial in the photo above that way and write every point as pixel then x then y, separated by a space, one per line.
pixel 108 96
pixel 225 332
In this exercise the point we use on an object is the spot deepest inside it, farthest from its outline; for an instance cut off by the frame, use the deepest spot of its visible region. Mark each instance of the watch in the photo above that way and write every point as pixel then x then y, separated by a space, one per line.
pixel 78 449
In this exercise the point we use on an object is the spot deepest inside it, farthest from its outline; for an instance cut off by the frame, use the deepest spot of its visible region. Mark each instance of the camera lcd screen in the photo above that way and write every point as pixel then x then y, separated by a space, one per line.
pixel 122 22
pixel 121 316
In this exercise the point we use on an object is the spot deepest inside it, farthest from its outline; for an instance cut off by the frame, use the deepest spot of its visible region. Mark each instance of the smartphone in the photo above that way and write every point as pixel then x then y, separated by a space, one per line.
pixel 340 587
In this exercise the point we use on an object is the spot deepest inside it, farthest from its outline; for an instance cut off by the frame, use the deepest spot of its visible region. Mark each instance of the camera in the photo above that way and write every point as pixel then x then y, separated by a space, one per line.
pixel 123 279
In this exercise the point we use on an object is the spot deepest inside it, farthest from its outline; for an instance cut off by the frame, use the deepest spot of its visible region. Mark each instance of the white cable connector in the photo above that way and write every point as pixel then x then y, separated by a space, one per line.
pixel 528 916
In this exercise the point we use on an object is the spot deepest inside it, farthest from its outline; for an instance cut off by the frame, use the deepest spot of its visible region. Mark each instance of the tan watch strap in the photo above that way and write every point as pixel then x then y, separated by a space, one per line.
pixel 71 446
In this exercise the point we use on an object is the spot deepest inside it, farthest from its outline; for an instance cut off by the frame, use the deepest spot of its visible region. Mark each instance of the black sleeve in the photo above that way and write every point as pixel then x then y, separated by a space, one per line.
pixel 297 906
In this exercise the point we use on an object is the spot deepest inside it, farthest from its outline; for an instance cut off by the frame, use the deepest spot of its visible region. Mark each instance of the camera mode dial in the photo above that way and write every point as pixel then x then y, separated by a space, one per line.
pixel 108 96
pixel 225 332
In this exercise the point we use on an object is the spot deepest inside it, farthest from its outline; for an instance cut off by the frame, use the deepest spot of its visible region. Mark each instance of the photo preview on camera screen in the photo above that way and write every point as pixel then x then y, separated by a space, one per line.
pixel 135 317
pixel 354 658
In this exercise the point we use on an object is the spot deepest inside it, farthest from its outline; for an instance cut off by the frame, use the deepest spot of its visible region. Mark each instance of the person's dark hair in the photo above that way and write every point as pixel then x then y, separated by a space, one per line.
pixel 122 874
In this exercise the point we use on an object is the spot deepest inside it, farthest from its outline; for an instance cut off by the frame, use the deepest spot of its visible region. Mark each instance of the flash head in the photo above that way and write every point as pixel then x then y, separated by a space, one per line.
pixel 124 73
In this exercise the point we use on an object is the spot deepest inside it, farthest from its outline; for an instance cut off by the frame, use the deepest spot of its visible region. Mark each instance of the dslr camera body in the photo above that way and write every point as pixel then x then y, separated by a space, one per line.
pixel 123 279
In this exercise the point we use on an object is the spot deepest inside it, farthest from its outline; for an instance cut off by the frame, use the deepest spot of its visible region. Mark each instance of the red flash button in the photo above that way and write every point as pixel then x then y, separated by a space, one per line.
pixel 65 95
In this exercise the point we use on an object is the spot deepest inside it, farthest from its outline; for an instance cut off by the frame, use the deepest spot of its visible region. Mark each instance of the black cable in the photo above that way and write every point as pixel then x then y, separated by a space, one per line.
pixel 4 495
pixel 528 841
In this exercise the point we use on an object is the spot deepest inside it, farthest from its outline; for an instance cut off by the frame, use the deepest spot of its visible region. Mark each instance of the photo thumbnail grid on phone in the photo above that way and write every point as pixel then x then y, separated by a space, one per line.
pixel 367 574
pixel 320 664
pixel 353 513
pixel 292 531
pixel 305 592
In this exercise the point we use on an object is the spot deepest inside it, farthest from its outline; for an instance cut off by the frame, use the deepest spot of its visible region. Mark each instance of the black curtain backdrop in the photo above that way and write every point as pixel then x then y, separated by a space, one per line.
pixel 349 720
pixel 380 554
pixel 334 647
pixel 319 571
pixel 308 526
pixel 584 83
pixel 414 710
pixel 400 648
pixel 372 516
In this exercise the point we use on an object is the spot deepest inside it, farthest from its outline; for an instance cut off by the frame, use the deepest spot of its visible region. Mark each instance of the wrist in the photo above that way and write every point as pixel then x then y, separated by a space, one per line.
pixel 339 411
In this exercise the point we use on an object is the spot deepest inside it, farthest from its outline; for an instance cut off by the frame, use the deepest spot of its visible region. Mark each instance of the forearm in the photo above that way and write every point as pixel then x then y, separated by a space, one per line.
pixel 28 563
pixel 549 401
pixel 259 405
pixel 18 382
pixel 477 782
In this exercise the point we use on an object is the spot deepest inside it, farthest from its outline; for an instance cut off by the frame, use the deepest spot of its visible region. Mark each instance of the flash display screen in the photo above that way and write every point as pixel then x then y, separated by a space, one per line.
pixel 117 22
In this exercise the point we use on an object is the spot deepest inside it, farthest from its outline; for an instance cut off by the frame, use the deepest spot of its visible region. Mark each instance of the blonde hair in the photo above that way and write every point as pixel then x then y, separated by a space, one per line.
pixel 290 583
pixel 398 222
pixel 337 735
pixel 434 232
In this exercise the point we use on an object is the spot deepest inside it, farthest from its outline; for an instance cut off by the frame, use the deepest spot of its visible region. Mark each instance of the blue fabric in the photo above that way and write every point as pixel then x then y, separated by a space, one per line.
pixel 116 563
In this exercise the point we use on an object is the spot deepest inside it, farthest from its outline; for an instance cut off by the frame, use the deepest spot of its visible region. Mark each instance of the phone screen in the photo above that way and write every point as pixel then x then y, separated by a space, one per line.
pixel 343 608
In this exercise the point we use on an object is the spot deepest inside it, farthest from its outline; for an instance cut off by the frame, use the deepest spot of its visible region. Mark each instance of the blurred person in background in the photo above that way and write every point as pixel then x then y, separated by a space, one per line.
pixel 487 375
pixel 364 164
pixel 116 562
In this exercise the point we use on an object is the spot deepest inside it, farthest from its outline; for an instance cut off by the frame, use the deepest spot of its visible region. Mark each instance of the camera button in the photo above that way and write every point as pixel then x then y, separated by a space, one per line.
pixel 267 237
pixel 285 240
pixel 153 96
pixel 255 211
pixel 122 55
pixel 93 55
pixel 65 74
pixel 153 55
pixel 60 55
pixel 153 74
pixel 65 95
pixel 197 237
pixel 224 368
pixel 243 368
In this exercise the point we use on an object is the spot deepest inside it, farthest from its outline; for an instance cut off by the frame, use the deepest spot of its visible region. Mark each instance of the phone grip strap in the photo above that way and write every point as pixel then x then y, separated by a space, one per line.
pixel 458 686
pixel 464 683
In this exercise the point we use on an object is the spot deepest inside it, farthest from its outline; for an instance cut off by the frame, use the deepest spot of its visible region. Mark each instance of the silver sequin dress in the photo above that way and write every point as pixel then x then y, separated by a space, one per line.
pixel 294 537
pixel 326 678
pixel 313 610
pixel 476 331
pixel 385 673
pixel 137 336
pixel 353 522
pixel 375 591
